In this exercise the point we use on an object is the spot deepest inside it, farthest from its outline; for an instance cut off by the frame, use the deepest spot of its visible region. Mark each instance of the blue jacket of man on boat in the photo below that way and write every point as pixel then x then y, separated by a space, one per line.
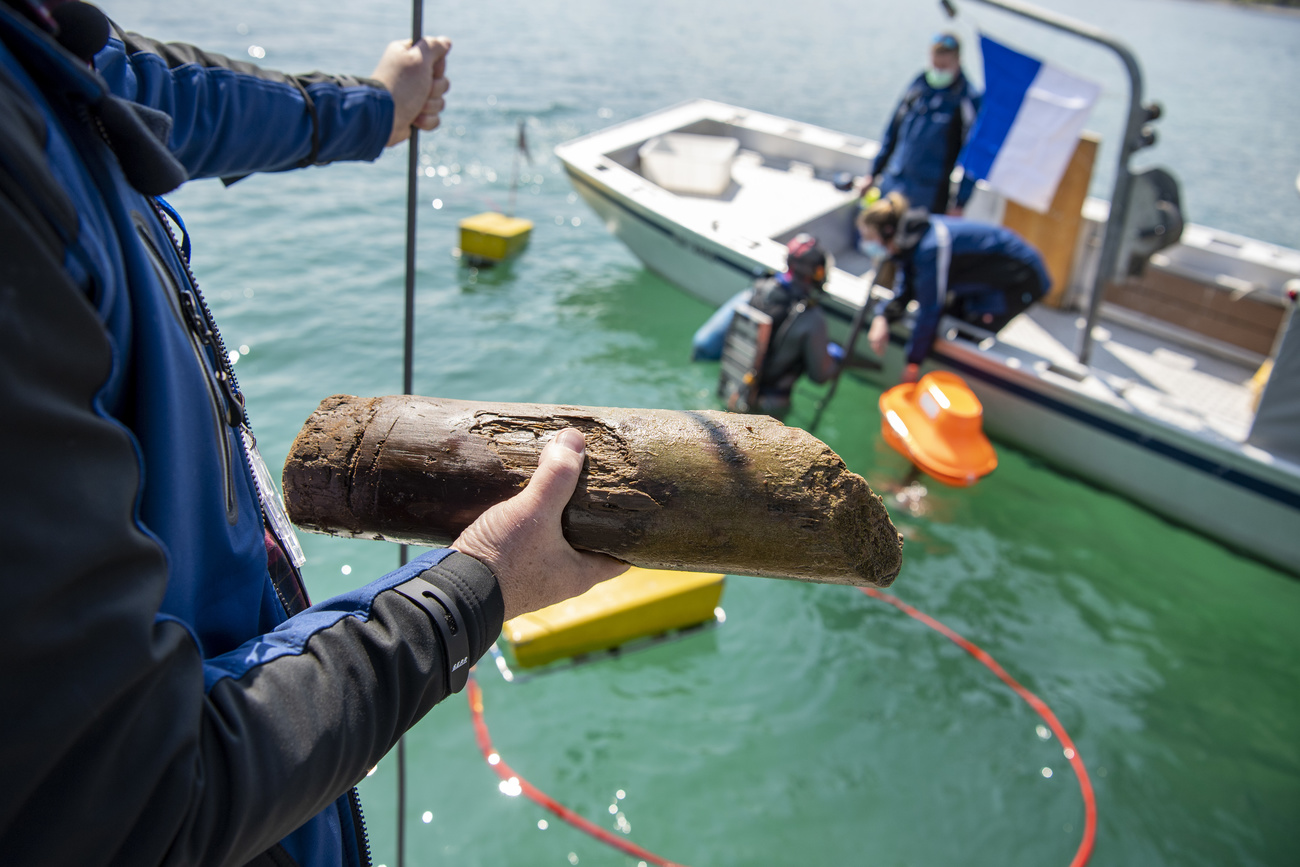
pixel 171 698
pixel 980 273
pixel 922 141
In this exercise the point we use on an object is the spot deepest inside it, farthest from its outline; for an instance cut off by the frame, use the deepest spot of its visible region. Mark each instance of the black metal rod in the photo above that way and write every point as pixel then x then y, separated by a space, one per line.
pixel 412 206
pixel 408 374
pixel 859 316
pixel 1132 141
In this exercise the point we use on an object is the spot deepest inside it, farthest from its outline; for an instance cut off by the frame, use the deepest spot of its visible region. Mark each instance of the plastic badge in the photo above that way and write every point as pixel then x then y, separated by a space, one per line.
pixel 272 504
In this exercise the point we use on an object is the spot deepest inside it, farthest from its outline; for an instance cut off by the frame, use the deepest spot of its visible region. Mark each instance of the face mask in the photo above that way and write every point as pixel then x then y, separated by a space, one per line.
pixel 873 250
pixel 939 78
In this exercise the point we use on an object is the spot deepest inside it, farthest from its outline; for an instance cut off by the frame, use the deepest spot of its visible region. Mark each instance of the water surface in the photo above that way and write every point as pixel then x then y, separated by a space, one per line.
pixel 816 726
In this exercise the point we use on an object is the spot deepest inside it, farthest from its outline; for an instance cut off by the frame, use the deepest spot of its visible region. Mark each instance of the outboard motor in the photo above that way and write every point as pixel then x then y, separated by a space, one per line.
pixel 1154 220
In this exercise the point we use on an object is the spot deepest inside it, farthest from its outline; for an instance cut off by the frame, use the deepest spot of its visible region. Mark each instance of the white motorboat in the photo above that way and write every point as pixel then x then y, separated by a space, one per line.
pixel 707 195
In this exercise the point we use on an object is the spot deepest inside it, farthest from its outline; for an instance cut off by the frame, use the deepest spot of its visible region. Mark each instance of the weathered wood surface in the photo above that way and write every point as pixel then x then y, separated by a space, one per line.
pixel 698 491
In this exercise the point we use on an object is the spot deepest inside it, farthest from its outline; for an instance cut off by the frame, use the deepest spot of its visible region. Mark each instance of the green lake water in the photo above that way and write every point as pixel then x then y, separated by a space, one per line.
pixel 815 726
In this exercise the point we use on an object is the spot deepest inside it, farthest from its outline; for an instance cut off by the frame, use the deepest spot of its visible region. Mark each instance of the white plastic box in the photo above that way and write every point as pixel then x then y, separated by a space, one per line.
pixel 686 163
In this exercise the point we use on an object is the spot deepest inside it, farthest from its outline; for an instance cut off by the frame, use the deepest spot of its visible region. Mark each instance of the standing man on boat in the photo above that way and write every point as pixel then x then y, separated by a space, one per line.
pixel 173 699
pixel 981 274
pixel 798 344
pixel 926 132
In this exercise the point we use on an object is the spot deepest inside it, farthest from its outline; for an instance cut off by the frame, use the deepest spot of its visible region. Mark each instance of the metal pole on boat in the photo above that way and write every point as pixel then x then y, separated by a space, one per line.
pixel 859 317
pixel 408 373
pixel 1136 137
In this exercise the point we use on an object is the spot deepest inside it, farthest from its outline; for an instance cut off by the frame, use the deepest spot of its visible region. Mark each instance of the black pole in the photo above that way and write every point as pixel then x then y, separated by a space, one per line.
pixel 408 375
pixel 856 328
pixel 412 193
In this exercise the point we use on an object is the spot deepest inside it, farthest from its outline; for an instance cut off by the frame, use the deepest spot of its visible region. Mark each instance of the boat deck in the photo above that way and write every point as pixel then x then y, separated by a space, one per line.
pixel 766 199
pixel 1179 385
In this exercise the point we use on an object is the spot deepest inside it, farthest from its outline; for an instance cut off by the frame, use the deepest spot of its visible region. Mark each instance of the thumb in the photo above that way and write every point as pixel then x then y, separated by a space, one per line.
pixel 558 468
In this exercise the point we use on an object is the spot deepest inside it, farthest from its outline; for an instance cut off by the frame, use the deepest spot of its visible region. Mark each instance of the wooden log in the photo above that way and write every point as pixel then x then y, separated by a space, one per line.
pixel 697 491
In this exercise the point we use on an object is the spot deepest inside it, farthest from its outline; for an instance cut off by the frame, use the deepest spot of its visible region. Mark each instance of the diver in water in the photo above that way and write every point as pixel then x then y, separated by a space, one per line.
pixel 979 273
pixel 788 304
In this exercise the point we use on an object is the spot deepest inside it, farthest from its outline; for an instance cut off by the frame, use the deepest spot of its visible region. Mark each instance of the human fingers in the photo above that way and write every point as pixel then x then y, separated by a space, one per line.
pixel 430 115
pixel 415 75
pixel 437 48
pixel 558 468
pixel 522 540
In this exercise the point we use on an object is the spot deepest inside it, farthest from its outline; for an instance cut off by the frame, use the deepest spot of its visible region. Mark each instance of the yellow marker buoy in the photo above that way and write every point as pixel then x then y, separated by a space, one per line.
pixel 491 237
pixel 637 604
pixel 937 424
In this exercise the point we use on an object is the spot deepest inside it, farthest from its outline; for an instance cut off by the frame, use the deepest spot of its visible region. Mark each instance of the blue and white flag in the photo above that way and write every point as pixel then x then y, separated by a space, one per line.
pixel 1028 126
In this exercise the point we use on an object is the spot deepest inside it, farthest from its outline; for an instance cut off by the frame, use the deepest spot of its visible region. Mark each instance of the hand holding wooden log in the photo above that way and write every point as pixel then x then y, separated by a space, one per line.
pixel 691 490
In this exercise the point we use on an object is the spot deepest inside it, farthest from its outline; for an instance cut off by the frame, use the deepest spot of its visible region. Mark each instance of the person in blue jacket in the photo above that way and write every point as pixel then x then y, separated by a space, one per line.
pixel 982 274
pixel 171 696
pixel 926 132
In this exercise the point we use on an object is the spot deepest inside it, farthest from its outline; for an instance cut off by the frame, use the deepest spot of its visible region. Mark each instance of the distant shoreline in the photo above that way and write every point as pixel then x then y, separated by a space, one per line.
pixel 1292 6
pixel 1287 7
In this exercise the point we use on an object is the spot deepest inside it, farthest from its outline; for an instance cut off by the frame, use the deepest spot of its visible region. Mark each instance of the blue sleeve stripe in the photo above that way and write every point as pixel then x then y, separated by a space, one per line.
pixel 291 637
pixel 1008 75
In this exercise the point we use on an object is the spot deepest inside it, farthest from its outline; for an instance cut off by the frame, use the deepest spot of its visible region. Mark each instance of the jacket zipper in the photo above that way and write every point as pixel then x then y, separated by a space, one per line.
pixel 199 332
pixel 186 309
pixel 204 325
pixel 203 328
pixel 359 824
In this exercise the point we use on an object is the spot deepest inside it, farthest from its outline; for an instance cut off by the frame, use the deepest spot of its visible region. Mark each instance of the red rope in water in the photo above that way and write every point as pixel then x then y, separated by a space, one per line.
pixel 1084 852
pixel 506 773
pixel 528 790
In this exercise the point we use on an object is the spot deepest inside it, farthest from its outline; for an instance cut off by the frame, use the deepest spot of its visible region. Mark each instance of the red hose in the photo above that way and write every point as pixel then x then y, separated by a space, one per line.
pixel 475 696
pixel 1084 852
pixel 504 771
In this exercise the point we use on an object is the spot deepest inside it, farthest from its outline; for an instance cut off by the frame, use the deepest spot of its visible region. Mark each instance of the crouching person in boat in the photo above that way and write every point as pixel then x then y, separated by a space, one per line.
pixel 770 334
pixel 982 274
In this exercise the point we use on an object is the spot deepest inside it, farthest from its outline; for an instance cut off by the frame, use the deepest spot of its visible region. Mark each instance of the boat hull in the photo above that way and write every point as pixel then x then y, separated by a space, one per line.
pixel 708 271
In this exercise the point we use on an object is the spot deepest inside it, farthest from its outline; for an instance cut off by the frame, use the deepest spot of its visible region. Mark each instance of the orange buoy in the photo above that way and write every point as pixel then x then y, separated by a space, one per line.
pixel 937 424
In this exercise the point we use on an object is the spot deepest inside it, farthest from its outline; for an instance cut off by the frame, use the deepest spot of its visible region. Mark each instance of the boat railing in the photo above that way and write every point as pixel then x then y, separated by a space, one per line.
pixel 1137 135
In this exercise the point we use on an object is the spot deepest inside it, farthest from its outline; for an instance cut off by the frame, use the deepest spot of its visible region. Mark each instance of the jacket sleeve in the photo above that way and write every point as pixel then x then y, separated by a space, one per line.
pixel 966 188
pixel 178 759
pixel 232 118
pixel 816 358
pixel 925 289
pixel 890 138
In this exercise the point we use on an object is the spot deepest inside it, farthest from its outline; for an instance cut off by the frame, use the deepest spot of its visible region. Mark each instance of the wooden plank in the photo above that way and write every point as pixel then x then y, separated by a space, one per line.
pixel 1200 307
pixel 1056 233
pixel 1247 309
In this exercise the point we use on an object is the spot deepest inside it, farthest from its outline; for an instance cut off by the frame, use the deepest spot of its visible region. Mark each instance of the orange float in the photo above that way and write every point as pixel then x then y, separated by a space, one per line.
pixel 937 424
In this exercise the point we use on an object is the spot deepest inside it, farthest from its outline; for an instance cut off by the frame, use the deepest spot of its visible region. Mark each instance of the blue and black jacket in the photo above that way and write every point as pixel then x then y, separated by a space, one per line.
pixel 922 141
pixel 170 699
pixel 979 273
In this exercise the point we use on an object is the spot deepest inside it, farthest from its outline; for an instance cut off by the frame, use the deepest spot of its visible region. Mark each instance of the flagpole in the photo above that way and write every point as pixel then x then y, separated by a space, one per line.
pixel 1136 136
